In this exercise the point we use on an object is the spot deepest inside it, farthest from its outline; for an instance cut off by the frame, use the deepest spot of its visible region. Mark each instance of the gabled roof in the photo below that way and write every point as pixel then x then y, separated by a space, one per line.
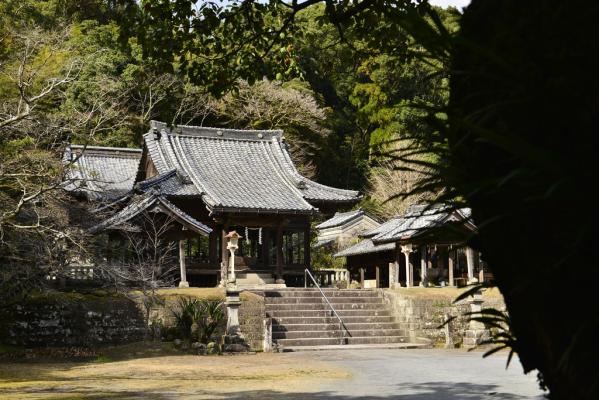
pixel 238 170
pixel 342 218
pixel 384 227
pixel 420 219
pixel 101 172
pixel 366 246
pixel 147 201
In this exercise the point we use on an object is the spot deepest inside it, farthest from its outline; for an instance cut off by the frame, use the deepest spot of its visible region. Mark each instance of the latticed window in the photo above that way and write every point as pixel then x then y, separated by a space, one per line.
pixel 293 247
pixel 197 249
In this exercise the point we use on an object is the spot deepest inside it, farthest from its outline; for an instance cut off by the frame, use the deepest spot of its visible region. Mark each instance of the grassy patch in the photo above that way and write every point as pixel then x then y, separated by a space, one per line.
pixel 199 293
pixel 449 293
pixel 152 372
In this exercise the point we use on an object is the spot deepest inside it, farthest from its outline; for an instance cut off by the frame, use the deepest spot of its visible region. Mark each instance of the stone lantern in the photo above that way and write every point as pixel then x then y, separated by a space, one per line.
pixel 233 339
pixel 232 245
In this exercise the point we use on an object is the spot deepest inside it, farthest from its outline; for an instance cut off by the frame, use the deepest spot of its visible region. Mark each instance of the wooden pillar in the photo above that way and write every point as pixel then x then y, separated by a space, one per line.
pixel 450 263
pixel 279 241
pixel 183 283
pixel 265 248
pixel 307 255
pixel 423 267
pixel 378 276
pixel 212 248
pixel 470 264
pixel 362 278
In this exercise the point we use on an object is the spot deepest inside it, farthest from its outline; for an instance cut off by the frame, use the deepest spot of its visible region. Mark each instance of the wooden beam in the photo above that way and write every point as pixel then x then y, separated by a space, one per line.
pixel 378 276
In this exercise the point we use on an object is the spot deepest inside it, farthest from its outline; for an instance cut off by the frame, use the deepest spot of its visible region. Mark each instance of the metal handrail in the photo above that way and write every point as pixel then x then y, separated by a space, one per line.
pixel 342 326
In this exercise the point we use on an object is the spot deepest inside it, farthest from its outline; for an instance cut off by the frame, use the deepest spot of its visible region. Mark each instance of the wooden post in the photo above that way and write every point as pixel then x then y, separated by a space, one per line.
pixel 183 282
pixel 362 278
pixel 450 267
pixel 423 267
pixel 212 245
pixel 265 248
pixel 307 256
pixel 279 242
pixel 470 264
pixel 378 276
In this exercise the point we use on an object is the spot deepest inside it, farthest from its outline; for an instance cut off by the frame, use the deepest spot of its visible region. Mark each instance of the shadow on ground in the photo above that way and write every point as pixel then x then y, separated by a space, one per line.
pixel 424 391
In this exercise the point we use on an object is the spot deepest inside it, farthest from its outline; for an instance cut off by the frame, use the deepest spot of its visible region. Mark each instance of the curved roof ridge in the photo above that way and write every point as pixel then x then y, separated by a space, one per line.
pixel 105 148
pixel 217 133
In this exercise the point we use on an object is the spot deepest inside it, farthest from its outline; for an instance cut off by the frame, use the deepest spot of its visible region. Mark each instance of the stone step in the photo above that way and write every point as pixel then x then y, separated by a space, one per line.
pixel 324 306
pixel 337 340
pixel 331 320
pixel 336 333
pixel 334 326
pixel 299 313
pixel 291 292
pixel 333 300
pixel 404 345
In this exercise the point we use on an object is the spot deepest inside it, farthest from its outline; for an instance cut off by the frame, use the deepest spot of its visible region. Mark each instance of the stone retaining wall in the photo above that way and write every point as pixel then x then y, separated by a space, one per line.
pixel 421 316
pixel 72 320
pixel 251 320
pixel 89 320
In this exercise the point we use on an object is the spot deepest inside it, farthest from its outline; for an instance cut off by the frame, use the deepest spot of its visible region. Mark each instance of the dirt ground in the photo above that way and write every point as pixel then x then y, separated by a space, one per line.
pixel 159 373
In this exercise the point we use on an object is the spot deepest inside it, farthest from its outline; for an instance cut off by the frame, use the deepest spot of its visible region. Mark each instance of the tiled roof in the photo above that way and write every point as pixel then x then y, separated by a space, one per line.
pixel 384 227
pixel 366 246
pixel 170 184
pixel 340 218
pixel 324 242
pixel 101 172
pixel 418 219
pixel 144 202
pixel 238 170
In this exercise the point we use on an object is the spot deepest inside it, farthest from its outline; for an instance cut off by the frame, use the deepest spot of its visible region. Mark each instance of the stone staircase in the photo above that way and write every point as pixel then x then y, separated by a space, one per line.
pixel 302 318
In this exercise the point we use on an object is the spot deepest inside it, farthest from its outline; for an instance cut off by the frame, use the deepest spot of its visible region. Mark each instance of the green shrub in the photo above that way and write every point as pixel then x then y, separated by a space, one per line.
pixel 208 315
pixel 184 316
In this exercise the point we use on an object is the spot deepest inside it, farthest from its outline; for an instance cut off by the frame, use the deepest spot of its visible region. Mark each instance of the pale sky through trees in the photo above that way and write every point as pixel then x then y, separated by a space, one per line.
pixel 455 3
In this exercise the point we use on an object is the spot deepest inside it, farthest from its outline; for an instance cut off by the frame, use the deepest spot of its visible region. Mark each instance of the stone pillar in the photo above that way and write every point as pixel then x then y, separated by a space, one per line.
pixel 393 274
pixel 378 276
pixel 406 250
pixel 267 340
pixel 224 257
pixel 423 267
pixel 450 267
pixel 470 265
pixel 183 283
pixel 233 339
pixel 476 332
pixel 448 339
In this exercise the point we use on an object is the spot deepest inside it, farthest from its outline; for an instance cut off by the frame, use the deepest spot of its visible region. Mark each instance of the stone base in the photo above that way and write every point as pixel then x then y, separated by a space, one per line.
pixel 183 284
pixel 280 281
pixel 473 338
pixel 234 344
